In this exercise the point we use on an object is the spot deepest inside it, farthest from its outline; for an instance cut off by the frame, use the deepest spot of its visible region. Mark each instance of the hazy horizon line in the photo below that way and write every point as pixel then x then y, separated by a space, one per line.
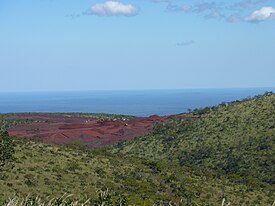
pixel 133 90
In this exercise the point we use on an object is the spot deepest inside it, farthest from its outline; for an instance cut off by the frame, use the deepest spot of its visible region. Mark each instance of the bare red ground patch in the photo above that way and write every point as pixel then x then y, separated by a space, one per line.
pixel 59 129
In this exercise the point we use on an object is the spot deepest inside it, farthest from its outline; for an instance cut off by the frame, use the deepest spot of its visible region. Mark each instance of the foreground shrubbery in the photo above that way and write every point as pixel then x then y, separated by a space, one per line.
pixel 36 201
pixel 39 172
pixel 104 199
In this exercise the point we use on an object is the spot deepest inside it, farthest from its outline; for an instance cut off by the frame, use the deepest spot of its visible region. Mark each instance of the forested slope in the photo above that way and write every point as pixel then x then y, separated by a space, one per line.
pixel 235 139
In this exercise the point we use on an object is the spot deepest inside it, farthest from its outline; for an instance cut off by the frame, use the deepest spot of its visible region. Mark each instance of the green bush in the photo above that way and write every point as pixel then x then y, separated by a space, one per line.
pixel 6 150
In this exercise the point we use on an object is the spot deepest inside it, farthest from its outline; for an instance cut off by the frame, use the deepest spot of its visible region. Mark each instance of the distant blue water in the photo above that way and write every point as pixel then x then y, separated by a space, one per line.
pixel 138 103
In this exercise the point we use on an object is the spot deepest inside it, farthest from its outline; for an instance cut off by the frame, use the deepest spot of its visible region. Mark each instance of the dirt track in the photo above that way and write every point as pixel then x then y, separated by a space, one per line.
pixel 85 131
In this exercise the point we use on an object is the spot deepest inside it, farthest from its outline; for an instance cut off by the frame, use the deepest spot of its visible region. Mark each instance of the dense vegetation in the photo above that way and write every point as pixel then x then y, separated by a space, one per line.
pixel 234 139
pixel 6 150
pixel 228 152
pixel 38 172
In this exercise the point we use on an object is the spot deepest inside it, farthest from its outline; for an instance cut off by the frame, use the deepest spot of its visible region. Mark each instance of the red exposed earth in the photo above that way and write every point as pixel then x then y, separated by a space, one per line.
pixel 59 129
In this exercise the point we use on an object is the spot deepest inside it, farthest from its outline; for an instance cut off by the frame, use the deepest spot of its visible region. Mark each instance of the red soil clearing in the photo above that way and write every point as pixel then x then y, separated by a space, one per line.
pixel 59 129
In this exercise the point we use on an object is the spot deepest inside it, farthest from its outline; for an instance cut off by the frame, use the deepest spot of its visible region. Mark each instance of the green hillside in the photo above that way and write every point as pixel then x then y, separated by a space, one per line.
pixel 227 152
pixel 235 139
pixel 50 171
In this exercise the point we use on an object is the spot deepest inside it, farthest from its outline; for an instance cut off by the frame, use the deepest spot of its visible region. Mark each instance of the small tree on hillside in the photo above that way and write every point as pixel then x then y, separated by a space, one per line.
pixel 6 150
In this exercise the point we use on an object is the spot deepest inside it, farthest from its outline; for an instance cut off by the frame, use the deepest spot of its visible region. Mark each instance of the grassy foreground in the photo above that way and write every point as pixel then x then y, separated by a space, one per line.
pixel 226 155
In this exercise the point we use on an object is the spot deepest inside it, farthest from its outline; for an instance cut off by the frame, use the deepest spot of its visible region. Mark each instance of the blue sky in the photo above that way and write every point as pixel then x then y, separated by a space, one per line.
pixel 61 45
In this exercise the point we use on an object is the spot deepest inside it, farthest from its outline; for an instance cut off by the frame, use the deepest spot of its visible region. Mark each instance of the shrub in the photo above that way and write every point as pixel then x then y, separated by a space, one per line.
pixel 7 149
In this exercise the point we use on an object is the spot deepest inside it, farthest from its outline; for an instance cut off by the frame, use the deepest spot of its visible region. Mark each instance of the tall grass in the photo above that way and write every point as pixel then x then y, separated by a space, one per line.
pixel 104 199
pixel 65 200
